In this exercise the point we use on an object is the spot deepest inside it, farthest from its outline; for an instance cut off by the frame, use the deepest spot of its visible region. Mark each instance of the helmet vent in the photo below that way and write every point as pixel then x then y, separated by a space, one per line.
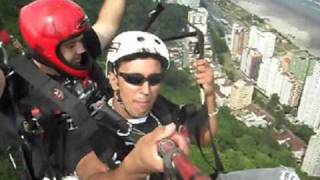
pixel 157 41
pixel 140 39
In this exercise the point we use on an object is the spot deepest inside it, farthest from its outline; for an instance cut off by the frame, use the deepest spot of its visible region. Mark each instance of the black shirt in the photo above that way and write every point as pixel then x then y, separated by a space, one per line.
pixel 21 99
pixel 113 149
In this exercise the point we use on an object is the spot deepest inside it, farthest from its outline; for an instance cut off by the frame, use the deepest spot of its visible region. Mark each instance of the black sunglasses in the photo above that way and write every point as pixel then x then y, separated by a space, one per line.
pixel 138 79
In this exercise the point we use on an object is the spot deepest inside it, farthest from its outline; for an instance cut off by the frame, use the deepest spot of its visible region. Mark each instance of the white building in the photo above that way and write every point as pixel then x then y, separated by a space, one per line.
pixel 263 41
pixel 241 95
pixel 199 18
pixel 311 161
pixel 268 72
pixel 309 108
pixel 252 120
pixel 272 80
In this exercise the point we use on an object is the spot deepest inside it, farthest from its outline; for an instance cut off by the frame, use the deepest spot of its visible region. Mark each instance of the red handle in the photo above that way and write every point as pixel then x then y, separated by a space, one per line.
pixel 180 161
pixel 186 169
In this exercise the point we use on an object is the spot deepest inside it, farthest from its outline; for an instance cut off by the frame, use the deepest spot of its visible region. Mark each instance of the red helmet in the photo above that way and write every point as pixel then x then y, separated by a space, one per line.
pixel 45 24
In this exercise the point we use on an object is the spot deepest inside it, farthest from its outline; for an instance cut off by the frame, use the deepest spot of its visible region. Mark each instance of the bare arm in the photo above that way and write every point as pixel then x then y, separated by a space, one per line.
pixel 109 20
pixel 2 82
pixel 204 76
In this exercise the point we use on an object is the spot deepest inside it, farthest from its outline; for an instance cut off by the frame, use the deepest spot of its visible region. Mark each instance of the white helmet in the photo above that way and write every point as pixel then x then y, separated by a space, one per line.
pixel 135 42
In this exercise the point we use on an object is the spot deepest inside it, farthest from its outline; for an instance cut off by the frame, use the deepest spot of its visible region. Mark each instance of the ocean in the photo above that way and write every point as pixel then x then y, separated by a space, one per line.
pixel 299 18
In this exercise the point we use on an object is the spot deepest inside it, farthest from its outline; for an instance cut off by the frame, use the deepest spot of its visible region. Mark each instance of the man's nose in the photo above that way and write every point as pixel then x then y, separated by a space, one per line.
pixel 79 47
pixel 145 88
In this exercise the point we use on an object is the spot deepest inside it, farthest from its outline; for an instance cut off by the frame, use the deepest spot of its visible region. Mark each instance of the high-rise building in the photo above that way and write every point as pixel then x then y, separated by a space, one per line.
pixel 308 111
pixel 311 161
pixel 263 41
pixel 290 91
pixel 296 91
pixel 199 18
pixel 241 95
pixel 268 71
pixel 272 80
pixel 239 39
pixel 250 62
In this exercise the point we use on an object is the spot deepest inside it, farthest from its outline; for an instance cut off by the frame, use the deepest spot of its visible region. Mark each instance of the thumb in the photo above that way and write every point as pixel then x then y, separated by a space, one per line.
pixel 164 132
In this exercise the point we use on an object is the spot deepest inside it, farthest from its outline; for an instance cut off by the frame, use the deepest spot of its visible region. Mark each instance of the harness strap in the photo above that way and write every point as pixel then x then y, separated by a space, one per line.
pixel 196 120
pixel 55 92
pixel 65 101
pixel 98 76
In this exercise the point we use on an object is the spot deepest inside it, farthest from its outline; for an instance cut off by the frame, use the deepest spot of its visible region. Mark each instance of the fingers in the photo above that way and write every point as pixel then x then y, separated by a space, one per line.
pixel 164 132
pixel 146 149
pixel 145 157
pixel 201 65
pixel 203 78
pixel 181 142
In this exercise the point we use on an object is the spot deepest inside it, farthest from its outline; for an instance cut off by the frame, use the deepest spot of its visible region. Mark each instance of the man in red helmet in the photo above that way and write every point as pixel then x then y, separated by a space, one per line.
pixel 38 92
pixel 63 46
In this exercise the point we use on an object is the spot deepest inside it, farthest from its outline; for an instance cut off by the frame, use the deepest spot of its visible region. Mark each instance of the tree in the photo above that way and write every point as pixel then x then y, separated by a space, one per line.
pixel 273 102
pixel 302 131
pixel 219 43
pixel 261 160
pixel 284 157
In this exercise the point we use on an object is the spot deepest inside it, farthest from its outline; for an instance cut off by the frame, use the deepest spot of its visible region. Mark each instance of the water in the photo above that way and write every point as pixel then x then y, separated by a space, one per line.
pixel 300 18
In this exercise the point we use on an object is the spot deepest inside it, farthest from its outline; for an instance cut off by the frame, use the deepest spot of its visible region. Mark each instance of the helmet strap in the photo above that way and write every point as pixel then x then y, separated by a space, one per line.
pixel 37 57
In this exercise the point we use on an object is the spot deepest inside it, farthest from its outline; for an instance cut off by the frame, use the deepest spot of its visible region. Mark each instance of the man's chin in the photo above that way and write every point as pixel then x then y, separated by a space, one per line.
pixel 140 114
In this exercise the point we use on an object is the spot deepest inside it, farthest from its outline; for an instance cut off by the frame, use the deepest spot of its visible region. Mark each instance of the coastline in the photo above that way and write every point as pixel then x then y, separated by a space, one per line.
pixel 300 37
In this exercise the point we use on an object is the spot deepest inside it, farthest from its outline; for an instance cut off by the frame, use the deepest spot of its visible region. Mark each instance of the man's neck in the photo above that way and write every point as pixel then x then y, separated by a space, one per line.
pixel 119 109
pixel 45 68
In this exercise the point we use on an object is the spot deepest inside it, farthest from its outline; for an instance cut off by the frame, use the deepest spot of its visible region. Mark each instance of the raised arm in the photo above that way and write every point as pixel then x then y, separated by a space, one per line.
pixel 109 20
pixel 204 76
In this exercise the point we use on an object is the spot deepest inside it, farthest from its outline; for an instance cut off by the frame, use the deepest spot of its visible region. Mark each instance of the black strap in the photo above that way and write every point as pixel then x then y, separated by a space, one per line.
pixel 105 117
pixel 165 110
pixel 98 76
pixel 63 99
pixel 49 87
pixel 196 120
pixel 153 16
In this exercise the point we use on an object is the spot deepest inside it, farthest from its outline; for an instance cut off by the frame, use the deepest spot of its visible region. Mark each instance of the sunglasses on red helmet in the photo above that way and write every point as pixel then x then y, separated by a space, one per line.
pixel 138 79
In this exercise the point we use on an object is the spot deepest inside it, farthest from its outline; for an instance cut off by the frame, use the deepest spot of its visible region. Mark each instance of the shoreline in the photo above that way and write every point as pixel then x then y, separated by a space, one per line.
pixel 301 38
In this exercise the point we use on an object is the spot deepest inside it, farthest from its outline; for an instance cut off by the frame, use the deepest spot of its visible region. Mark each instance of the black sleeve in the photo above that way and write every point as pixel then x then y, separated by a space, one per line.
pixel 92 43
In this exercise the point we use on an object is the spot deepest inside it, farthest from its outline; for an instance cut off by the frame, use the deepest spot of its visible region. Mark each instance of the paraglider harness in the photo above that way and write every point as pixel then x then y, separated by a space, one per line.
pixel 86 117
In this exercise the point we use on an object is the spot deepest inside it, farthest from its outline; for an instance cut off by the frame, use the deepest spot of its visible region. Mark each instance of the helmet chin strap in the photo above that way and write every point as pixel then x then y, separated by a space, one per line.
pixel 123 106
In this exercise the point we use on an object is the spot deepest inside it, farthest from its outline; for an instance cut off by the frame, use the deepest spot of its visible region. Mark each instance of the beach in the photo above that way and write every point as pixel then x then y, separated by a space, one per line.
pixel 297 19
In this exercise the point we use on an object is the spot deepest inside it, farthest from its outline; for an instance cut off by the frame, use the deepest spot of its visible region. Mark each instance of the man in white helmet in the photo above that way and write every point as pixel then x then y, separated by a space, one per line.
pixel 136 64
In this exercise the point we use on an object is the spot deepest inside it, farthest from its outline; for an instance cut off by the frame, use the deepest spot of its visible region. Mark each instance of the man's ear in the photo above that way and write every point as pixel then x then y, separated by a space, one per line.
pixel 113 81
